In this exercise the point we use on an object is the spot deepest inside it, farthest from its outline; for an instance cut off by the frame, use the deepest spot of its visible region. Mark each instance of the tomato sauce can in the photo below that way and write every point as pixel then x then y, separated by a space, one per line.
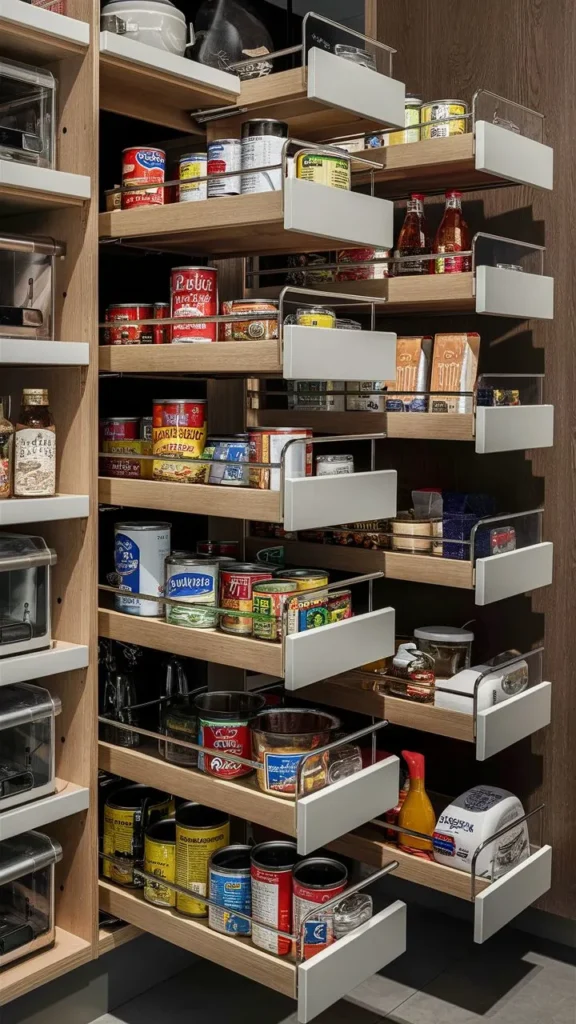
pixel 161 334
pixel 160 860
pixel 193 293
pixel 142 165
pixel 271 870
pixel 200 832
pixel 123 331
pixel 120 428
pixel 229 877
pixel 316 881
pixel 191 167
pixel 236 583
pixel 179 427
pixel 267 445
pixel 224 155
pixel 224 725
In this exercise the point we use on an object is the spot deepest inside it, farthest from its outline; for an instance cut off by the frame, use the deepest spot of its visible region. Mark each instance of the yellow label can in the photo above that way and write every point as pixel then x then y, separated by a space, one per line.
pixel 200 831
pixel 160 860
pixel 442 118
pixel 127 814
pixel 324 168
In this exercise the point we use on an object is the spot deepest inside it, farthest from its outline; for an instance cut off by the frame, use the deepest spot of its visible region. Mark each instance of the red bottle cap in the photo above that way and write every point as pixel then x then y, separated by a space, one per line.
pixel 453 194
pixel 417 195
pixel 415 762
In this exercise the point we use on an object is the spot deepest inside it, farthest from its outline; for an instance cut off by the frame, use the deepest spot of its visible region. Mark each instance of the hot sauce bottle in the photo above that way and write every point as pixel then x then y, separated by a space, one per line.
pixel 453 235
pixel 413 239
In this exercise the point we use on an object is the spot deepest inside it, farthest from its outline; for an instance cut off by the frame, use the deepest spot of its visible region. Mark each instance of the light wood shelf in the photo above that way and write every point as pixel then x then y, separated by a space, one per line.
pixel 239 955
pixel 232 357
pixel 36 36
pixel 206 644
pixel 68 952
pixel 111 936
pixel 241 797
pixel 428 166
pixel 428 426
pixel 442 572
pixel 422 293
pixel 355 692
pixel 196 499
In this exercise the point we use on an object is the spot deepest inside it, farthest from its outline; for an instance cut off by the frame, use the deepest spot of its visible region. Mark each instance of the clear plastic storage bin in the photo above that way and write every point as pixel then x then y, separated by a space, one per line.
pixel 27 114
pixel 27 894
pixel 27 285
pixel 27 748
pixel 25 564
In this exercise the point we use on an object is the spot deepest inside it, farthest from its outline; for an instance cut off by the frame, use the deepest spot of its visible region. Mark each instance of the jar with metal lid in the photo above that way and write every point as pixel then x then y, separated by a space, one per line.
pixel 316 316
pixel 334 465
pixel 449 646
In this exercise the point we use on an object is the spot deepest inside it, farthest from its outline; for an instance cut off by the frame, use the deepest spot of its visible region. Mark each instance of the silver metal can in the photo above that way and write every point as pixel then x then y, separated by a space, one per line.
pixel 334 465
pixel 262 146
pixel 194 581
pixel 140 551
pixel 191 167
pixel 224 155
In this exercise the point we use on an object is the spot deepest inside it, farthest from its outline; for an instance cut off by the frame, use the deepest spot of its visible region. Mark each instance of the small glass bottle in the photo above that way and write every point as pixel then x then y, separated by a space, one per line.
pixel 35 447
pixel 413 239
pixel 453 235
pixel 6 450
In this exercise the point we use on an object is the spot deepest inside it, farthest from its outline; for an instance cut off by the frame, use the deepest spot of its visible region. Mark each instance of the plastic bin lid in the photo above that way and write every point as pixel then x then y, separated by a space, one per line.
pixel 444 634
pixel 23 551
pixel 31 851
pixel 24 703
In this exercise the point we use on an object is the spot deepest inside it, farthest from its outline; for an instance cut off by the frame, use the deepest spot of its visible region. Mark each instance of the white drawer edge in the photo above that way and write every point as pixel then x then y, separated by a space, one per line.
pixel 502 292
pixel 512 720
pixel 60 26
pixel 514 428
pixel 315 501
pixel 337 214
pixel 513 157
pixel 354 88
pixel 502 901
pixel 317 654
pixel 351 355
pixel 513 572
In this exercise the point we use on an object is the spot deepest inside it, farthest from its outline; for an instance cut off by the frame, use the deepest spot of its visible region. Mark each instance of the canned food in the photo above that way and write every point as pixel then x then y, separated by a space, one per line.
pixel 193 293
pixel 236 583
pixel 411 133
pixel 224 725
pixel 160 860
pixel 179 428
pixel 339 605
pixel 228 450
pixel 280 738
pixel 305 579
pixel 200 832
pixel 125 332
pixel 140 550
pixel 316 880
pixel 377 271
pixel 194 581
pixel 218 547
pixel 311 613
pixel 267 445
pixel 120 428
pixel 128 812
pixel 334 465
pixel 324 167
pixel 224 155
pixel 251 329
pixel 161 335
pixel 191 166
pixel 316 395
pixel 366 395
pixel 229 874
pixel 268 603
pixel 143 166
pixel 438 112
pixel 146 428
pixel 271 871
pixel 263 142
pixel 316 316
pixel 122 467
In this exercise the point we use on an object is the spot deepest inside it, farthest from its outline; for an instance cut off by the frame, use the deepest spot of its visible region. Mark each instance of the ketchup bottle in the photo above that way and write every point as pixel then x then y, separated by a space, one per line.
pixel 453 235
pixel 413 239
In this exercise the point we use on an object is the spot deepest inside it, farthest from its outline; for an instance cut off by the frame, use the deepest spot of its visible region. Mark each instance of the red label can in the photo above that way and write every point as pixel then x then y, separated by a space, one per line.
pixel 143 166
pixel 194 292
pixel 271 871
pixel 161 334
pixel 236 584
pixel 218 547
pixel 230 739
pixel 184 412
pixel 316 880
pixel 120 428
pixel 123 331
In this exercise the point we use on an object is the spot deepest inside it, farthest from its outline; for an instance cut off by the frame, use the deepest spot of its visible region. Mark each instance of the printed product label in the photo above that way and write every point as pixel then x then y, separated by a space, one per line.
pixel 141 569
pixel 150 159
pixel 35 462
pixel 233 894
pixel 262 151
pixel 193 852
pixel 160 860
pixel 318 932
pixel 120 826
pixel 281 770
pixel 445 844
pixel 5 478
pixel 127 563
pixel 271 904
pixel 232 738
pixel 190 585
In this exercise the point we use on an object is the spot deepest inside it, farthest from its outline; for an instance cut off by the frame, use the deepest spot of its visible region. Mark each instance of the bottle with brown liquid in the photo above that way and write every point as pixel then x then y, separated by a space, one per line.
pixel 35 447
pixel 6 450
pixel 453 235
pixel 413 239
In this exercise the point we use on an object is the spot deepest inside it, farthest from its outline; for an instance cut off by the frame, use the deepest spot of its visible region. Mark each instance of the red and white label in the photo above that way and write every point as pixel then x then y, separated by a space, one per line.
pixel 271 904
pixel 318 931
pixel 194 293
pixel 229 739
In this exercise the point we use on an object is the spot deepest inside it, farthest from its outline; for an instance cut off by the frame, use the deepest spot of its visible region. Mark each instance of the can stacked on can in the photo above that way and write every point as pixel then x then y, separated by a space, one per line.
pixel 142 165
pixel 224 726
pixel 193 293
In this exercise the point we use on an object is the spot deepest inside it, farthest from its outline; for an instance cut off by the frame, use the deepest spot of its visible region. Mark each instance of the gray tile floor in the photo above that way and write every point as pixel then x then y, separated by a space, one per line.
pixel 443 978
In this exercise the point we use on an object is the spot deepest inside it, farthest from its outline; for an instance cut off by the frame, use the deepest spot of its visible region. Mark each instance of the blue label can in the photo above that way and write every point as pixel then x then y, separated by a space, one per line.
pixel 140 551
pixel 194 581
pixel 231 888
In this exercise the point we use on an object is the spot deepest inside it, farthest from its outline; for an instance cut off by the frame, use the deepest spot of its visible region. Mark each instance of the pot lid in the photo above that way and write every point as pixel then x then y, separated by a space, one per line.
pixel 444 634
pixel 137 4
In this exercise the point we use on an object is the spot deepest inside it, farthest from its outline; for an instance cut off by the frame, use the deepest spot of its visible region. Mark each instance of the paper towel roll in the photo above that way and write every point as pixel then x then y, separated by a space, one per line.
pixel 471 819
pixel 496 687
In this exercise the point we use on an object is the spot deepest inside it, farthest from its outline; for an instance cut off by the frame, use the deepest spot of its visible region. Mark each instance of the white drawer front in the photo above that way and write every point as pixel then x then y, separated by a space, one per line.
pixel 337 214
pixel 320 653
pixel 512 720
pixel 513 572
pixel 316 501
pixel 514 157
pixel 311 352
pixel 513 293
pixel 514 428
pixel 348 86
pixel 502 901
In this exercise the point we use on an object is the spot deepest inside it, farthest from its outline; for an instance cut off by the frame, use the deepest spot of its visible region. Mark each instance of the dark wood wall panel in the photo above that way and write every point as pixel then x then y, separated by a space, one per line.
pixel 524 50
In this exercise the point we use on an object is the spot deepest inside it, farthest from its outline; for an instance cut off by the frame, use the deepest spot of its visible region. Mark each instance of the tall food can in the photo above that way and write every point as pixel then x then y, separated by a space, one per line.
pixel 230 887
pixel 179 428
pixel 224 720
pixel 200 832
pixel 267 445
pixel 160 860
pixel 271 869
pixel 128 812
pixel 140 551
pixel 190 168
pixel 194 581
pixel 123 329
pixel 317 880
pixel 262 145
pixel 236 583
pixel 224 155
pixel 412 122
pixel 193 293
pixel 142 165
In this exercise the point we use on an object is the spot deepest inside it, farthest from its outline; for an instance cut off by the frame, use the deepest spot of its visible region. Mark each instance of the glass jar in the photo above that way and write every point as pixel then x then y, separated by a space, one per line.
pixel 449 646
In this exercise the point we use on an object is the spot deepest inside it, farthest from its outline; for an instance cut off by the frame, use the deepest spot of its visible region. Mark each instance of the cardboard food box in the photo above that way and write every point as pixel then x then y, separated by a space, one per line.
pixel 412 371
pixel 454 369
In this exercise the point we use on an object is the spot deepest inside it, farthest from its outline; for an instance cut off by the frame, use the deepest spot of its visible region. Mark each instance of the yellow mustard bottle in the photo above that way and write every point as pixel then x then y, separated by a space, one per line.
pixel 417 812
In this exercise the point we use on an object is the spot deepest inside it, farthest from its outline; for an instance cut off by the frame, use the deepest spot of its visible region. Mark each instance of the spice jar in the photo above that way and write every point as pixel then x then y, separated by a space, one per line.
pixel 450 647
pixel 6 450
pixel 35 447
